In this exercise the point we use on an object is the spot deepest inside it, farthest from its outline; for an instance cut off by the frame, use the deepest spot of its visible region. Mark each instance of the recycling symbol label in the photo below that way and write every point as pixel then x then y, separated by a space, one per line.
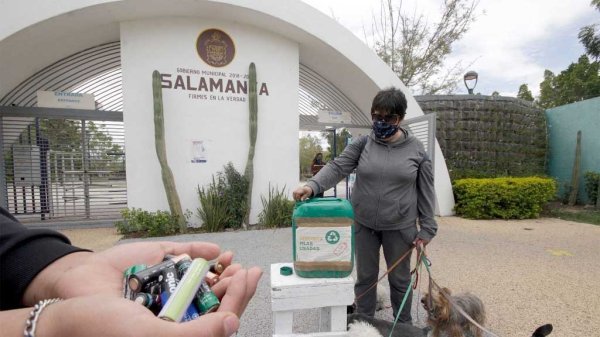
pixel 332 237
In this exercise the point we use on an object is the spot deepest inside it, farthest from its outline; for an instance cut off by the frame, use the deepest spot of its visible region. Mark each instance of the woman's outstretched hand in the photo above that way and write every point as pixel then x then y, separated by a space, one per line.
pixel 91 284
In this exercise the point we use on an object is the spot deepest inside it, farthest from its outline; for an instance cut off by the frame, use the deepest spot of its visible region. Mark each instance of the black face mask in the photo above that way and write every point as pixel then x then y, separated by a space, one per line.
pixel 384 130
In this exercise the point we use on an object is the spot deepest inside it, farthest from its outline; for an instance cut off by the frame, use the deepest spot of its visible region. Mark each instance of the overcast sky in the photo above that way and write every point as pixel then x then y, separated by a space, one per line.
pixel 510 43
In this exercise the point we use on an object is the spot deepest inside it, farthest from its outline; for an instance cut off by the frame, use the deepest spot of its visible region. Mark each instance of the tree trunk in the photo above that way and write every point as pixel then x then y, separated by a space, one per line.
pixel 161 153
pixel 253 111
pixel 575 176
pixel 598 196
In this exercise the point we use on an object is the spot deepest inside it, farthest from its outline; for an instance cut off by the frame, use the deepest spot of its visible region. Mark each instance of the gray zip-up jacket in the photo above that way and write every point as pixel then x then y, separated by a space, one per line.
pixel 394 183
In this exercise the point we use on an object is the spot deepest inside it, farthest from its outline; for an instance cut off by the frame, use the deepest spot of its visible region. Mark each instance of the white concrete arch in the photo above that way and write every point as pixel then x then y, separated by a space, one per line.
pixel 36 33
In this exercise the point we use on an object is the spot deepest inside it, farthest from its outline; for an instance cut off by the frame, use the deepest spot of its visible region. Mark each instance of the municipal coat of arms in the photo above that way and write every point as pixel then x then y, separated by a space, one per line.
pixel 215 47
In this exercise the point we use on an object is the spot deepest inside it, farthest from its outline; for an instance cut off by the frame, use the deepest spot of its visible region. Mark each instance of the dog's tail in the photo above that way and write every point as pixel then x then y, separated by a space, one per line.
pixel 542 331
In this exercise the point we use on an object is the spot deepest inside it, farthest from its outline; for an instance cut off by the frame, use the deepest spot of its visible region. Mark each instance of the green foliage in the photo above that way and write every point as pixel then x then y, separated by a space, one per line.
pixel 566 189
pixel 588 37
pixel 578 82
pixel 585 216
pixel 309 146
pixel 525 93
pixel 341 139
pixel 64 137
pixel 234 188
pixel 213 208
pixel 223 202
pixel 504 198
pixel 277 209
pixel 147 224
pixel 592 179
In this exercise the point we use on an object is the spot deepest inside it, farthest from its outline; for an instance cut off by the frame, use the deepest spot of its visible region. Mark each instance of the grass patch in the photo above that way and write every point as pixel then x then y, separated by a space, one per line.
pixel 577 214
pixel 591 217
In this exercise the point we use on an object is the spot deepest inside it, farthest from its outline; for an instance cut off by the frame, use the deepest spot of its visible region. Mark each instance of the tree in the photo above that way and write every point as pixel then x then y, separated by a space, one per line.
pixel 525 93
pixel 589 38
pixel 309 147
pixel 578 82
pixel 342 137
pixel 416 50
pixel 64 136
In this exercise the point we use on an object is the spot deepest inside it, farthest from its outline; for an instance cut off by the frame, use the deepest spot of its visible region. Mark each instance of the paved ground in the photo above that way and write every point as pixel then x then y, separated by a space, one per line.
pixel 527 272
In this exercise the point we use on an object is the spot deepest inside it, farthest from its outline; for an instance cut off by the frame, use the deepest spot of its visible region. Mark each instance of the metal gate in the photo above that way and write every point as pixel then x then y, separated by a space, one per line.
pixel 423 128
pixel 58 166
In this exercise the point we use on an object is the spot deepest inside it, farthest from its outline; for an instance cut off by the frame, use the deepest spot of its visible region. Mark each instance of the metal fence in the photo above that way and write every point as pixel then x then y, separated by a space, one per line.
pixel 58 166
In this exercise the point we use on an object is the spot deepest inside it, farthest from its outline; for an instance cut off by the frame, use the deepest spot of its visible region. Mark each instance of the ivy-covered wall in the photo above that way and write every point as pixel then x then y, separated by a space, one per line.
pixel 486 136
pixel 563 123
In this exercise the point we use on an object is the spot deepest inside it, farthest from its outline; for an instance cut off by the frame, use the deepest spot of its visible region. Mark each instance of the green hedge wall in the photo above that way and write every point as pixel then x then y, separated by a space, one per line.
pixel 486 136
pixel 502 198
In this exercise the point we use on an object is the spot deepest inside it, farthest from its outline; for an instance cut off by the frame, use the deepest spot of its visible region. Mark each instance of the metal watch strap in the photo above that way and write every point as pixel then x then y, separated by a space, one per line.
pixel 34 315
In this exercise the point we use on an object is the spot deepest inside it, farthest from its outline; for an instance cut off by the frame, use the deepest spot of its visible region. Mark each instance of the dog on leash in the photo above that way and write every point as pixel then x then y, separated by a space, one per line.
pixel 443 317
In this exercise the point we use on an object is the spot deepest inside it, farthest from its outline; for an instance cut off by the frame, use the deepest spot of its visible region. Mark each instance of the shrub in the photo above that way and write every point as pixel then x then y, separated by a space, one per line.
pixel 213 207
pixel 234 188
pixel 277 209
pixel 592 179
pixel 145 223
pixel 504 198
pixel 223 202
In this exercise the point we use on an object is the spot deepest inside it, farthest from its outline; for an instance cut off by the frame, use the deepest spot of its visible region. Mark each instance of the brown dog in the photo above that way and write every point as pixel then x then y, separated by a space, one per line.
pixel 444 317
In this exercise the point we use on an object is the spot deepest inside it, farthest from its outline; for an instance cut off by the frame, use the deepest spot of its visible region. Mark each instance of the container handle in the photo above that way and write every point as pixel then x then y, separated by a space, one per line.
pixel 309 200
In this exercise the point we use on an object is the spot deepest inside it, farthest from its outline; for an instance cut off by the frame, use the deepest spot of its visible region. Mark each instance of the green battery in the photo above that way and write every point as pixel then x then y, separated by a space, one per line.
pixel 185 291
pixel 127 293
pixel 206 300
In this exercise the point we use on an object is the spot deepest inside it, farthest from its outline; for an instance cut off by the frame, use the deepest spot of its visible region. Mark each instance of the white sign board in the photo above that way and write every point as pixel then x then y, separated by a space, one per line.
pixel 199 152
pixel 334 117
pixel 66 100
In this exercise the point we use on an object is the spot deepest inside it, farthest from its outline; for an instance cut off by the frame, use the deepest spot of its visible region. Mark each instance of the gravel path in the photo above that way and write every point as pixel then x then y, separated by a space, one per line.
pixel 527 272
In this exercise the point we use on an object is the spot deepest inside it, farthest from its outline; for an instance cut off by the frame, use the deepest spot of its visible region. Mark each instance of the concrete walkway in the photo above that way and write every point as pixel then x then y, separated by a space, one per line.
pixel 527 272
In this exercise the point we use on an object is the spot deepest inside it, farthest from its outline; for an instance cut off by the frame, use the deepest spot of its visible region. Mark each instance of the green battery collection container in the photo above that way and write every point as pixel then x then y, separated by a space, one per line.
pixel 323 238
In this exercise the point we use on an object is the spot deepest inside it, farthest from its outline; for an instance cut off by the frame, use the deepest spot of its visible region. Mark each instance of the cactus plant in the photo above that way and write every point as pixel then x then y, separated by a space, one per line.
pixel 253 111
pixel 575 176
pixel 161 153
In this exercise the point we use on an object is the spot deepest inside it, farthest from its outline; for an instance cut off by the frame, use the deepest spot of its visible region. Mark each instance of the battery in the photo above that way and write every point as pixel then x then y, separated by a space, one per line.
pixel 211 278
pixel 183 265
pixel 138 280
pixel 177 304
pixel 169 281
pixel 206 300
pixel 217 268
pixel 147 288
pixel 147 300
pixel 127 292
pixel 154 288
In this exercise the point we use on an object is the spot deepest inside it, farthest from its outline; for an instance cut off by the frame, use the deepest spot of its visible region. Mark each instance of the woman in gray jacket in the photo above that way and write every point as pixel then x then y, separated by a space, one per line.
pixel 393 189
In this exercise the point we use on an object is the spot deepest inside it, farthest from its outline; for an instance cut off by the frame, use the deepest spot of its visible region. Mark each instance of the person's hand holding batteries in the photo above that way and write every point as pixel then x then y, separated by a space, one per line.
pixel 93 282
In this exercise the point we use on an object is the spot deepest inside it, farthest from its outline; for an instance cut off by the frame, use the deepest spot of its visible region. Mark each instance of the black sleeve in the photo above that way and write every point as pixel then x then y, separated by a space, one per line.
pixel 23 254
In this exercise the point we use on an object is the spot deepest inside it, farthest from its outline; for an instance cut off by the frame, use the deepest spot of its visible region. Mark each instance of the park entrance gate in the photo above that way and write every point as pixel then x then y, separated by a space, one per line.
pixel 60 164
